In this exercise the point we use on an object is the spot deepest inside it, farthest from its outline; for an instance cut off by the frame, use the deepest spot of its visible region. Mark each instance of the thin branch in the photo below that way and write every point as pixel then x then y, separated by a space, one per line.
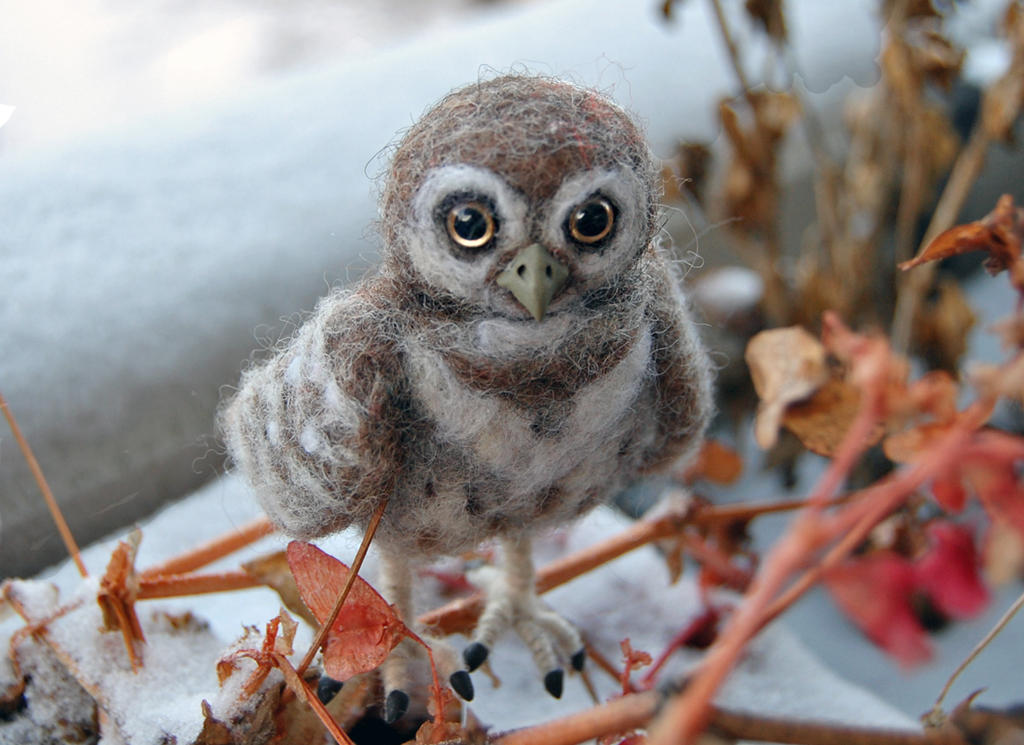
pixel 965 173
pixel 619 715
pixel 743 726
pixel 357 563
pixel 173 586
pixel 210 552
pixel 1000 625
pixel 44 487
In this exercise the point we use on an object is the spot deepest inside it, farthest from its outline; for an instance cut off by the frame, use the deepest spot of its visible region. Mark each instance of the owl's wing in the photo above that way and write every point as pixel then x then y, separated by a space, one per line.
pixel 315 429
pixel 683 398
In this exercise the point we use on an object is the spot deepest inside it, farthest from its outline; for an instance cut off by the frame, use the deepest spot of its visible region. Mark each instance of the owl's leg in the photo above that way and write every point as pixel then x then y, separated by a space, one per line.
pixel 512 602
pixel 395 671
pixel 396 586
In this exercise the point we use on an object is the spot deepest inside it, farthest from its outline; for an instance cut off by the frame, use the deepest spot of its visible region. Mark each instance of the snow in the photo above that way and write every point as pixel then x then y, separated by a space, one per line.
pixel 628 597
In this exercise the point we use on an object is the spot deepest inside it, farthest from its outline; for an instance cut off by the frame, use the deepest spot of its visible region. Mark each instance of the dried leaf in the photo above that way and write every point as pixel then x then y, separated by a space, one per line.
pixel 769 16
pixel 821 421
pixel 914 443
pixel 941 327
pixel 715 462
pixel 786 365
pixel 687 172
pixel 999 233
pixel 874 592
pixel 948 573
pixel 366 629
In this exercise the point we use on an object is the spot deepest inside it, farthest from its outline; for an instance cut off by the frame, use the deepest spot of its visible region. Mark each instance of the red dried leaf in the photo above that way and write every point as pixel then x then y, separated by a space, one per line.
pixel 366 629
pixel 874 592
pixel 949 572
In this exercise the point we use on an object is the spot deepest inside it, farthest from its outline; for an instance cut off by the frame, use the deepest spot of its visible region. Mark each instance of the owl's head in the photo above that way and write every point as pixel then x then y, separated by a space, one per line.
pixel 520 196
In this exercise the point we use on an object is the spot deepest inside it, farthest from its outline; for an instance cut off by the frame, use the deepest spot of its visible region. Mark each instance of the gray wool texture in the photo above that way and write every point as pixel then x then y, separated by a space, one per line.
pixel 427 386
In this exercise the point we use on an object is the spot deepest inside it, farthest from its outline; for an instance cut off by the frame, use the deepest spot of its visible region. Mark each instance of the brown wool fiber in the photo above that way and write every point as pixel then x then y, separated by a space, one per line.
pixel 429 385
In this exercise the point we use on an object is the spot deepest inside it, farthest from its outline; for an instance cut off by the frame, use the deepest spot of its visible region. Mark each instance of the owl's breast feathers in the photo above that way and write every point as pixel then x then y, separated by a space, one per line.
pixel 470 427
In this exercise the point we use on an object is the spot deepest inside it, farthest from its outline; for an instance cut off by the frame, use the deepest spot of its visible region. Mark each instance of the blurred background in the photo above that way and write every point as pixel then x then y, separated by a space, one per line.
pixel 84 67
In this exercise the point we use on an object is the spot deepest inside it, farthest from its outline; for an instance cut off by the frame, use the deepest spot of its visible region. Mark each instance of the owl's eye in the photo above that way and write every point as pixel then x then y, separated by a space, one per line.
pixel 591 221
pixel 471 224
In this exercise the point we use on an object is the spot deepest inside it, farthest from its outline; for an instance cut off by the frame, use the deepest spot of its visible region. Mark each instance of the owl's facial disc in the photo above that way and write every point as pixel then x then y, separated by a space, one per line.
pixel 523 255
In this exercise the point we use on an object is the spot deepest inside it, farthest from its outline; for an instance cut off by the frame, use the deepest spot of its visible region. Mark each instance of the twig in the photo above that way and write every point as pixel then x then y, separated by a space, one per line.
pixel 1000 625
pixel 743 726
pixel 210 552
pixel 357 563
pixel 172 586
pixel 51 503
pixel 618 715
pixel 965 172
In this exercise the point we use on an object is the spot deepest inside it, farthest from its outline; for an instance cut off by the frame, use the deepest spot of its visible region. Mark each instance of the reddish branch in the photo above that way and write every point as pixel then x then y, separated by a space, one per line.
pixel 218 548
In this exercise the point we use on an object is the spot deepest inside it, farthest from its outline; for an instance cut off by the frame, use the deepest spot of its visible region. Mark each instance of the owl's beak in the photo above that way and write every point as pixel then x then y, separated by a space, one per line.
pixel 533 277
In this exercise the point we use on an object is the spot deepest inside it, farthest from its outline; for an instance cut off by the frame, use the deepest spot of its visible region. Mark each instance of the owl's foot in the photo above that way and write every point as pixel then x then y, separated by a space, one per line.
pixel 403 670
pixel 512 602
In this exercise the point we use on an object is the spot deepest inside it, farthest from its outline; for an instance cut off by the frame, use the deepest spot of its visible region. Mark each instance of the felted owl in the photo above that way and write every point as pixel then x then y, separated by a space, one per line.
pixel 523 353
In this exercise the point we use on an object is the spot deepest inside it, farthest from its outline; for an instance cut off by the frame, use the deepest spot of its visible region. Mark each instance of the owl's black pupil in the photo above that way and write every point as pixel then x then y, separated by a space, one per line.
pixel 591 219
pixel 470 224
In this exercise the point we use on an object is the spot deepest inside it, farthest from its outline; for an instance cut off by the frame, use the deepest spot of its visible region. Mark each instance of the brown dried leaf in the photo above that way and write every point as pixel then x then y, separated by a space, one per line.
pixel 941 327
pixel 786 365
pixel 999 233
pixel 687 172
pixel 1001 105
pixel 769 16
pixel 715 462
pixel 935 57
pixel 821 422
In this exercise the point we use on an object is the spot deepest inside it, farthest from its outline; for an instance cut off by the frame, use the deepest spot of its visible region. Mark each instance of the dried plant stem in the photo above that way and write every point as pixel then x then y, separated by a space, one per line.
pixel 992 634
pixel 618 715
pixel 44 487
pixel 734 58
pixel 636 710
pixel 357 563
pixel 208 553
pixel 173 586
pixel 742 726
pixel 965 172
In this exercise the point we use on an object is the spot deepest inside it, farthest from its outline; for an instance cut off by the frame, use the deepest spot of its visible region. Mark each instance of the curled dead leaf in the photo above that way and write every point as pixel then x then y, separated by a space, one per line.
pixel 786 365
pixel 999 234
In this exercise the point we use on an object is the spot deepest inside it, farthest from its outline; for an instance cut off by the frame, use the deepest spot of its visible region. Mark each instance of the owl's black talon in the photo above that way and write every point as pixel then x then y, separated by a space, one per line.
pixel 553 682
pixel 395 706
pixel 327 688
pixel 462 684
pixel 578 659
pixel 475 655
